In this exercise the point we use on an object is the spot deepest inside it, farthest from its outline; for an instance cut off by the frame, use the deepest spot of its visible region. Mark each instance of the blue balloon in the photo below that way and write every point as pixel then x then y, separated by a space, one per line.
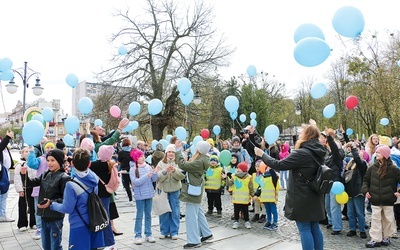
pixel 98 122
pixel 148 159
pixel 197 139
pixel 329 111
pixel 193 149
pixel 72 80
pixel 349 131
pixel 134 108
pixel 168 137
pixel 271 133
pixel 308 30
pixel 242 118
pixel 155 106
pixel 311 51
pixel 217 130
pixel 32 132
pixel 253 123
pixel 165 143
pixel 251 70
pixel 128 128
pixel 384 121
pixel 233 115
pixel 231 104
pixel 188 98
pixel 337 187
pixel 154 144
pixel 6 75
pixel 184 86
pixel 318 90
pixel 71 124
pixel 253 115
pixel 85 105
pixel 348 21
pixel 398 63
pixel 47 114
pixel 180 132
pixel 38 117
pixel 5 64
pixel 68 140
pixel 122 50
pixel 135 125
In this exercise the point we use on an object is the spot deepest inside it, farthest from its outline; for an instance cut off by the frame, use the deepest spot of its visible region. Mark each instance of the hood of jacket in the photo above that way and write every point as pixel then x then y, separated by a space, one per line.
pixel 315 146
pixel 90 180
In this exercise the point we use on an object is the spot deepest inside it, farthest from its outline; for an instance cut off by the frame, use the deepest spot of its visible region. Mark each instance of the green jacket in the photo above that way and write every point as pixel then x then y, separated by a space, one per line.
pixel 195 170
pixel 110 141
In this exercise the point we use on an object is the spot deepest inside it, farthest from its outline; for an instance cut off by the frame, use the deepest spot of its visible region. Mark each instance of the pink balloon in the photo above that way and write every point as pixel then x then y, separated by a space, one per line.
pixel 115 111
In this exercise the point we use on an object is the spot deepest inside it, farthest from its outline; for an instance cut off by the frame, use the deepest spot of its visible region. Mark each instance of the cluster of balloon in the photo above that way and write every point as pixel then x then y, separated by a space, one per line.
pixel 122 50
pixel 318 90
pixel 186 93
pixel 6 73
pixel 72 80
pixel 204 133
pixel 134 108
pixel 232 106
pixel 271 133
pixel 348 21
pixel 251 70
pixel 351 102
pixel 384 121
pixel 329 111
pixel 155 106
pixel 217 130
pixel 253 121
pixel 341 196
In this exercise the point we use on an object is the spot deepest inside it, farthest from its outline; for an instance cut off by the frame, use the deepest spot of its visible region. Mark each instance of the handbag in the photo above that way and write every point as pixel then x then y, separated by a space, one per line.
pixel 160 202
pixel 350 168
pixel 194 190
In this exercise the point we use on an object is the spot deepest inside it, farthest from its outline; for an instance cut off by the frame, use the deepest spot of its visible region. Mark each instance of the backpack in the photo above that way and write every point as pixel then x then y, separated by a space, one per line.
pixel 4 180
pixel 98 217
pixel 244 155
pixel 323 180
pixel 113 183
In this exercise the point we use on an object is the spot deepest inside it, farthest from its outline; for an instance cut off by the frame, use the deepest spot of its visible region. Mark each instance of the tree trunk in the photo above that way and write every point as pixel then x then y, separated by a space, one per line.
pixel 157 126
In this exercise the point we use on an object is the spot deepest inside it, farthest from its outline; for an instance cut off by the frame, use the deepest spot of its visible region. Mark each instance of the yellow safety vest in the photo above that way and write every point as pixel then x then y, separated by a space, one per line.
pixel 214 181
pixel 241 195
pixel 268 191
pixel 254 178
pixel 232 171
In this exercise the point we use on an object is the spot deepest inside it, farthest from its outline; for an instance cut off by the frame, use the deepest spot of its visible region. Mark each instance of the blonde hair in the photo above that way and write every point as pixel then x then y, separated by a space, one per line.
pixel 309 132
pixel 195 156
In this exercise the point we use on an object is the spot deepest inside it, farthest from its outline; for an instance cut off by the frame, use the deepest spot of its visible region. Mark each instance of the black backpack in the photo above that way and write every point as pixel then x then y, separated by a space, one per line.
pixel 4 180
pixel 323 180
pixel 98 217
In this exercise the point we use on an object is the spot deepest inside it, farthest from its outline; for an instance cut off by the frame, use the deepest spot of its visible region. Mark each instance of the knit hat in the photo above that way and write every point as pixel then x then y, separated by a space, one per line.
pixel 235 139
pixel 57 154
pixel 87 143
pixel 384 151
pixel 105 152
pixel 203 147
pixel 170 147
pixel 214 158
pixel 49 144
pixel 159 146
pixel 211 141
pixel 136 154
pixel 243 166
pixel 60 144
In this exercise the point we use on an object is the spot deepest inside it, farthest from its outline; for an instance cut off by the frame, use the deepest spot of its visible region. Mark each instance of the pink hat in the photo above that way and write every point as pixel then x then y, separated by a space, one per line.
pixel 88 144
pixel 384 151
pixel 136 154
pixel 105 152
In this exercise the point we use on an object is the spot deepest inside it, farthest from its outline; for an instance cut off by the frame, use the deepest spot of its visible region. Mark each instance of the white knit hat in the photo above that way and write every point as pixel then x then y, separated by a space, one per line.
pixel 203 147
pixel 170 147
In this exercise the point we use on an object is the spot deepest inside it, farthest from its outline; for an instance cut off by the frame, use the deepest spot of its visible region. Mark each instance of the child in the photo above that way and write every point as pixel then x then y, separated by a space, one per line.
pixel 231 169
pixel 241 193
pixel 257 178
pixel 52 184
pixel 267 193
pixel 380 187
pixel 75 198
pixel 142 177
pixel 215 182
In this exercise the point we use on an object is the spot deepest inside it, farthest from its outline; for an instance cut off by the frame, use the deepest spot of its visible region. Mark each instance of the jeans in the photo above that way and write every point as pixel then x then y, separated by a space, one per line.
pixel 284 174
pixel 107 232
pixel 52 234
pixel 310 235
pixel 355 213
pixel 271 210
pixel 143 207
pixel 37 217
pixel 3 204
pixel 333 212
pixel 196 223
pixel 169 222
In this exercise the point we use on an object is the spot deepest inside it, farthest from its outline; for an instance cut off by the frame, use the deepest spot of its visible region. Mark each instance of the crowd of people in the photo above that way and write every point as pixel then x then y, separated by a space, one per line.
pixel 53 181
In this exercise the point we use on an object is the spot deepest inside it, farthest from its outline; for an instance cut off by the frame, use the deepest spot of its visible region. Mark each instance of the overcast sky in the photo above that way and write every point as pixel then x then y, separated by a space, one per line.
pixel 61 37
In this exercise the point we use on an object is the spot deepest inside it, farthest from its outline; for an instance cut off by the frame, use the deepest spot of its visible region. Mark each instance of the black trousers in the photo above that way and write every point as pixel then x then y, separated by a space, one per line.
pixel 397 215
pixel 214 199
pixel 25 203
pixel 237 208
pixel 126 181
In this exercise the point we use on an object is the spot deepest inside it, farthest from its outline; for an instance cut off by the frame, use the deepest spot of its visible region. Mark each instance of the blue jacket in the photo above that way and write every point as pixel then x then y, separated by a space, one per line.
pixel 76 198
pixel 143 185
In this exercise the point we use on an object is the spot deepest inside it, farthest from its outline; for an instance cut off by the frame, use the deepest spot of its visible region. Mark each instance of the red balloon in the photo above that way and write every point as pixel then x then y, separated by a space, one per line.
pixel 351 102
pixel 205 133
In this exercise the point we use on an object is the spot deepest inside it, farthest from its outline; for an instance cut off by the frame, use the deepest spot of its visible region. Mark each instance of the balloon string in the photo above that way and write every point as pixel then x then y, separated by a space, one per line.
pixel 150 122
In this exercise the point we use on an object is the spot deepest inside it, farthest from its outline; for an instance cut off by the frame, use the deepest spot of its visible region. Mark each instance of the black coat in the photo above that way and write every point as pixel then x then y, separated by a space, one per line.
pixel 100 168
pixel 334 160
pixel 353 187
pixel 301 203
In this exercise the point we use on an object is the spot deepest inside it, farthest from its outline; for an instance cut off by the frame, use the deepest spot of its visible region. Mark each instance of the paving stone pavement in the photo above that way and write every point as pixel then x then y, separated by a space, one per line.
pixel 286 237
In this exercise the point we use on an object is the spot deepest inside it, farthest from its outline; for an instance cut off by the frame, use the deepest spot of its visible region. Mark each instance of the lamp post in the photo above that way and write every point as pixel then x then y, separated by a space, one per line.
pixel 25 73
pixel 196 101
pixel 297 111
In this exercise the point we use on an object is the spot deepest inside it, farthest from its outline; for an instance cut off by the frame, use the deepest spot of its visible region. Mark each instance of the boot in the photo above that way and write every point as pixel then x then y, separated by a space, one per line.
pixel 256 217
pixel 262 219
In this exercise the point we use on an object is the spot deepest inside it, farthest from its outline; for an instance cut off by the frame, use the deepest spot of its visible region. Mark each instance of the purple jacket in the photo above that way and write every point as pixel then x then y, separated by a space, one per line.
pixel 143 185
pixel 39 164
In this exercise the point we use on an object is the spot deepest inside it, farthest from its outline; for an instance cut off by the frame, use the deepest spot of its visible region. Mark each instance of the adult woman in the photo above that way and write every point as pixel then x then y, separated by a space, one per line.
pixel 110 141
pixel 197 229
pixel 169 180
pixel 302 204
pixel 372 142
pixel 124 158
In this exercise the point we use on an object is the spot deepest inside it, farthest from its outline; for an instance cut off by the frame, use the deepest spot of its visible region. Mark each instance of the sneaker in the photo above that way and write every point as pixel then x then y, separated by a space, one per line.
pixel 372 244
pixel 272 227
pixel 335 233
pixel 394 236
pixel 351 233
pixel 256 217
pixel 34 227
pixel 129 203
pixel 267 225
pixel 138 241
pixel 22 229
pixel 163 236
pixel 6 219
pixel 190 245
pixel 113 247
pixel 262 219
pixel 207 238
pixel 247 225
pixel 219 213
pixel 328 226
pixel 150 239
pixel 363 235
pixel 385 242
pixel 235 225
pixel 38 235
pixel 209 212
pixel 174 237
